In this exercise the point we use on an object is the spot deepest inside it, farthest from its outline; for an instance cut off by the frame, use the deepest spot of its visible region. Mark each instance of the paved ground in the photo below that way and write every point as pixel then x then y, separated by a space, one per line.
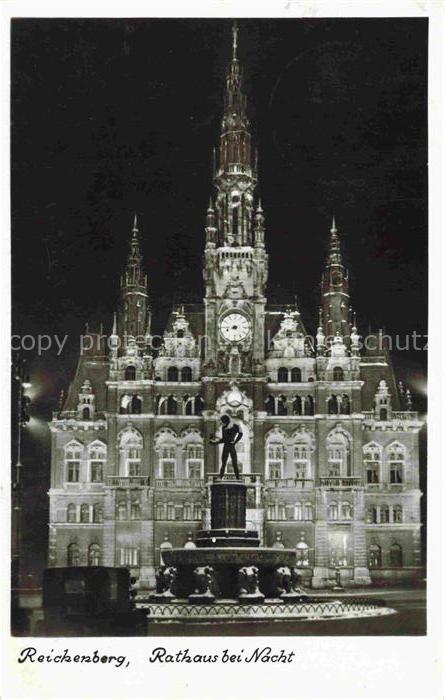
pixel 409 619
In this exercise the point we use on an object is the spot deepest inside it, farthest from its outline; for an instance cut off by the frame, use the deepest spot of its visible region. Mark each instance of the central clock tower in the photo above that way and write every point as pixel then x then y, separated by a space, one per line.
pixel 235 264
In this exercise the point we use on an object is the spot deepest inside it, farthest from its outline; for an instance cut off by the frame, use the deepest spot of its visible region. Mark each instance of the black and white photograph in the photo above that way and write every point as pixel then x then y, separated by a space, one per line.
pixel 219 239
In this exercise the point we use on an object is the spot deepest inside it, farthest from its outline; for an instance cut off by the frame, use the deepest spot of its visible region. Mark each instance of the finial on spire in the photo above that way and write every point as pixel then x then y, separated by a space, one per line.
pixel 235 31
pixel 333 225
pixel 114 332
pixel 135 229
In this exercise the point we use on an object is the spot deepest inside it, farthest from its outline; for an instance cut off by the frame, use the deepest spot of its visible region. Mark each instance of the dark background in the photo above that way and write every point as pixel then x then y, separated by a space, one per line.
pixel 115 116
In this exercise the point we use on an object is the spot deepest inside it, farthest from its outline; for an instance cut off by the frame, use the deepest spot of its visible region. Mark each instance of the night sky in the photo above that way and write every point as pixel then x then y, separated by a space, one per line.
pixel 115 116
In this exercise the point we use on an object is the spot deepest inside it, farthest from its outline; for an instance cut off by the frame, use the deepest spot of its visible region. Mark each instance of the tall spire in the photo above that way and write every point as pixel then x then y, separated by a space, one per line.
pixel 235 167
pixel 335 291
pixel 134 314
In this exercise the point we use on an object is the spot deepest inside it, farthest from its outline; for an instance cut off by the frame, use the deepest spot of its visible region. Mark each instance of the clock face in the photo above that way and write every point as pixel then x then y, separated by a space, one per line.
pixel 235 327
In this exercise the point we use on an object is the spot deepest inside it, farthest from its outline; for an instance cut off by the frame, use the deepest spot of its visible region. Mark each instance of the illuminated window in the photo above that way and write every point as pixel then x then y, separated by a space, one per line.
pixel 167 462
pixel 333 511
pixel 301 461
pixel 73 456
pixel 275 460
pixel 396 464
pixel 128 556
pixel 84 513
pixel 372 463
pixel 194 461
pixel 94 555
pixel 96 461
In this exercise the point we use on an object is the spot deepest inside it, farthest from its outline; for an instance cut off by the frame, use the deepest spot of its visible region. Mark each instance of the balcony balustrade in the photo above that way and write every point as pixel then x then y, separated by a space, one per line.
pixel 127 481
pixel 340 482
pixel 289 483
pixel 248 479
pixel 179 483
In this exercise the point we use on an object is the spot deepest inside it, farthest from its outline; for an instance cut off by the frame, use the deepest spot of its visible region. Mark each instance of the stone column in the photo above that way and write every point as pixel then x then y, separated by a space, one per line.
pixel 321 559
pixel 361 575
pixel 109 529
pixel 147 576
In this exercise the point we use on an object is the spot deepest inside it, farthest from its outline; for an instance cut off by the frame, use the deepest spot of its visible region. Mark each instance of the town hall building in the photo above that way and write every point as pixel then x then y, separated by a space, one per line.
pixel 329 451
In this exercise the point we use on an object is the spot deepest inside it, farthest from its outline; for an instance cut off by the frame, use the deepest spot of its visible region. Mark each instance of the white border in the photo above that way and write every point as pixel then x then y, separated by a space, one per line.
pixel 343 667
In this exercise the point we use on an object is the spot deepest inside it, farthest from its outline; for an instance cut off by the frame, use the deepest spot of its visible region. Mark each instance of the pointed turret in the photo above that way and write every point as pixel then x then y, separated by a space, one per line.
pixel 134 314
pixel 335 291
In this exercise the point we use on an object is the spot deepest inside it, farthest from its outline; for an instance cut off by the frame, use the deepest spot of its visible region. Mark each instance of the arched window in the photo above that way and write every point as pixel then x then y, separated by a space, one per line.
pixel 194 461
pixel 297 406
pixel 338 374
pixel 272 511
pixel 171 406
pixel 173 374
pixel 188 403
pixel 71 513
pixel 86 414
pixel 122 512
pixel 186 374
pixel 282 514
pixel 84 513
pixel 97 513
pixel 73 555
pixel 298 511
pixel 396 555
pixel 301 461
pixel 346 511
pixel 384 514
pixel 338 455
pixel 282 406
pixel 131 444
pixel 372 463
pixel 372 514
pixel 96 461
pixel 170 511
pixel 296 375
pixel 198 405
pixel 275 460
pixel 397 514
pixel 345 404
pixel 333 511
pixel 136 404
pixel 135 511
pixel 270 406
pixel 187 511
pixel 332 405
pixel 308 406
pixel 396 455
pixel 160 511
pixel 130 373
pixel 125 404
pixel 94 555
pixel 167 461
pixel 73 456
pixel 282 374
pixel 302 554
pixel 308 511
pixel 374 557
pixel 197 511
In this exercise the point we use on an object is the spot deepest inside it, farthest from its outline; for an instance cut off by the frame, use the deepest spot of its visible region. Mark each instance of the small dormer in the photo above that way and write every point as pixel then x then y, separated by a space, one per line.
pixel 383 403
pixel 86 406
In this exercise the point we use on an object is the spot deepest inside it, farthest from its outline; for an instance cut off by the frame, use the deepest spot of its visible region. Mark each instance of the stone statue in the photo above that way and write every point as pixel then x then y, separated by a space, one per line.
pixel 248 580
pixel 165 580
pixel 203 580
pixel 285 582
pixel 231 434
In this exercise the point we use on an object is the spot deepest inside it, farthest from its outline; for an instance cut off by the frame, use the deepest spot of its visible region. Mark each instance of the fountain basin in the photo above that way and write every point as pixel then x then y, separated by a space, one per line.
pixel 262 557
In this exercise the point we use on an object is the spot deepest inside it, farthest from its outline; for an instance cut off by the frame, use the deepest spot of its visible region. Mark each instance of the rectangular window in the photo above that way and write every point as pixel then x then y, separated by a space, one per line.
pixel 129 556
pixel 73 470
pixel 169 469
pixel 97 471
pixel 194 469
pixel 133 461
pixel 396 472
pixel 275 461
pixel 372 472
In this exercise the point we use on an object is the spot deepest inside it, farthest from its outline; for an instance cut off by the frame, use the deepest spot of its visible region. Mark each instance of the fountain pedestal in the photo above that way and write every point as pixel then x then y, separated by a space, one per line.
pixel 228 517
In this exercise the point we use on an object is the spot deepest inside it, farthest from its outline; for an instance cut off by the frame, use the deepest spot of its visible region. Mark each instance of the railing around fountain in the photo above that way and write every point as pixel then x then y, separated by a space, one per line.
pixel 340 482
